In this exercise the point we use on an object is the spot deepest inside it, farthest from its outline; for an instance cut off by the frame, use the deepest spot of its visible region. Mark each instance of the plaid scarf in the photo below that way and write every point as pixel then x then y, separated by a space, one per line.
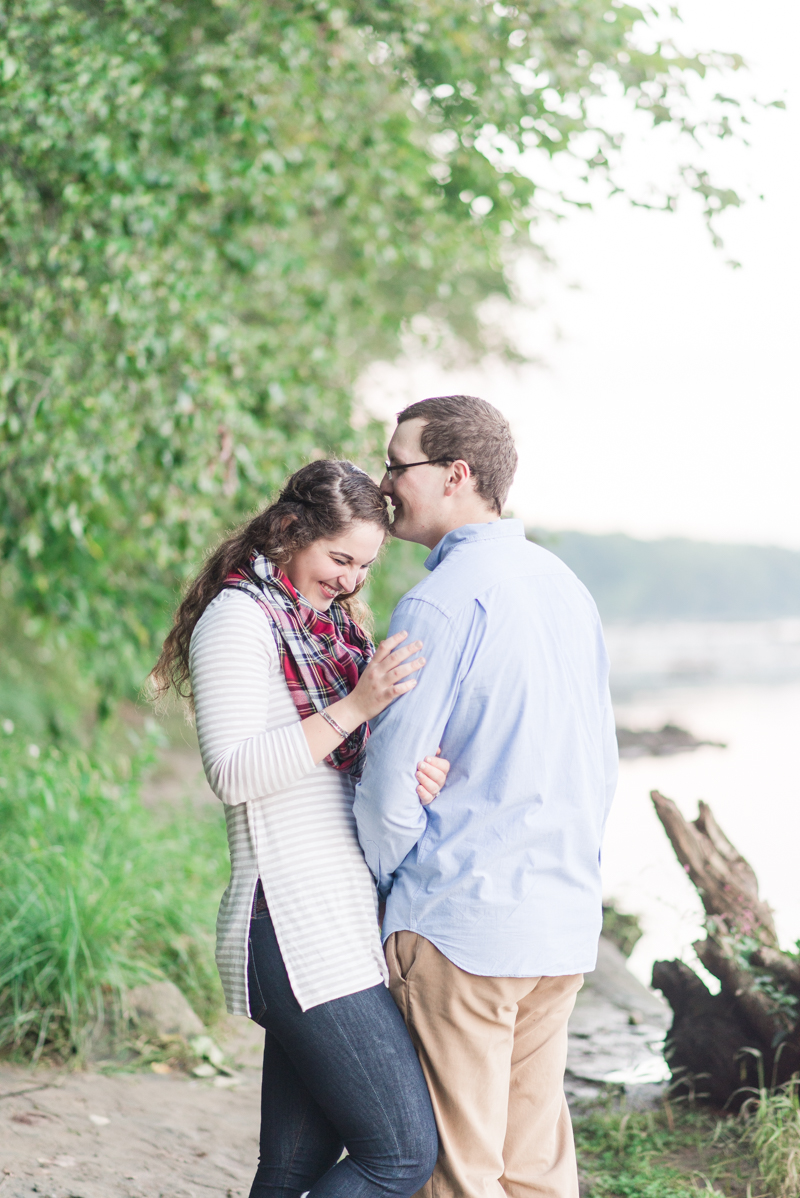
pixel 322 655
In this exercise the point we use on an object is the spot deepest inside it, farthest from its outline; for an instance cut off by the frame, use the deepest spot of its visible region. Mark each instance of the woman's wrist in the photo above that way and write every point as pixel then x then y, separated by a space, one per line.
pixel 347 712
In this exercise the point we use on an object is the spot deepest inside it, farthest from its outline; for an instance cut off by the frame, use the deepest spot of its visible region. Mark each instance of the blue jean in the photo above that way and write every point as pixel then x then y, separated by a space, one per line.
pixel 341 1075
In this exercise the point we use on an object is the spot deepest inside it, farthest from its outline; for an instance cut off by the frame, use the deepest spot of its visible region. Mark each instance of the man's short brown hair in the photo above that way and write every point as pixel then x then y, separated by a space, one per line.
pixel 467 428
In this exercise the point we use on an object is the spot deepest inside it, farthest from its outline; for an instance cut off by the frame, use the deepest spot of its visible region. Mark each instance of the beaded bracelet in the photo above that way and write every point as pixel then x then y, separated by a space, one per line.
pixel 336 727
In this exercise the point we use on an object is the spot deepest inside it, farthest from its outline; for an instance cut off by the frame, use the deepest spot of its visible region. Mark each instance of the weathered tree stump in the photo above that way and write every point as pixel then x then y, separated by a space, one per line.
pixel 758 1007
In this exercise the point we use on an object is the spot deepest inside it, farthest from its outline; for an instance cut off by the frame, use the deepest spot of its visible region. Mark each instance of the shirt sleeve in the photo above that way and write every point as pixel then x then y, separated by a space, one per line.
pixel 232 663
pixel 389 815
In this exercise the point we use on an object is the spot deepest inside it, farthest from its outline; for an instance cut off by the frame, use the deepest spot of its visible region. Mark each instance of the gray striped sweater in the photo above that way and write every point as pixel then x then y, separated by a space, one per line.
pixel 289 821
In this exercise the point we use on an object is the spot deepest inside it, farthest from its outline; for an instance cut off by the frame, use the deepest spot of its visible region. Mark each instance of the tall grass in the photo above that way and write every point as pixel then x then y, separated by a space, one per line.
pixel 773 1130
pixel 96 894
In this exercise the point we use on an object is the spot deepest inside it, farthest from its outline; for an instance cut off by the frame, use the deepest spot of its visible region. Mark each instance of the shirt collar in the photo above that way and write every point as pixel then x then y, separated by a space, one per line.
pixel 492 531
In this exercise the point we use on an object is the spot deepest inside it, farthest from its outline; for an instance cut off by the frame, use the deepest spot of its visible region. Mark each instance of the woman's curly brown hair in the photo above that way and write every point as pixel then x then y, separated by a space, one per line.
pixel 320 500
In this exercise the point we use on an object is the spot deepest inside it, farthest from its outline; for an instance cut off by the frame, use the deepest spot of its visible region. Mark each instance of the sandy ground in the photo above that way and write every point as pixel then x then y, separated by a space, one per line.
pixel 131 1135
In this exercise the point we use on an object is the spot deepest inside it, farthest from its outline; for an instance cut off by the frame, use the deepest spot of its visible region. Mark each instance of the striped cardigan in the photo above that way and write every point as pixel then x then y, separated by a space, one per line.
pixel 289 821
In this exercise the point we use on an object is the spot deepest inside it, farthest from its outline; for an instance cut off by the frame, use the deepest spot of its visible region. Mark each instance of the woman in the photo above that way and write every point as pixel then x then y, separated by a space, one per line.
pixel 283 680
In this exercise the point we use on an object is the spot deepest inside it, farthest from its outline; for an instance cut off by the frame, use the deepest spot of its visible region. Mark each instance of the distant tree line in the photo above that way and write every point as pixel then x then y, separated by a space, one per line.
pixel 681 579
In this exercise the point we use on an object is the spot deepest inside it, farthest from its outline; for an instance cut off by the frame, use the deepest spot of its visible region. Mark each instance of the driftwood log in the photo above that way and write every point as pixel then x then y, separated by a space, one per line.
pixel 758 1006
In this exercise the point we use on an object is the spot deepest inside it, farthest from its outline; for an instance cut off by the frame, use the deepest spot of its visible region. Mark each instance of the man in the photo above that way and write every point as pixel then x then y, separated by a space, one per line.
pixel 493 891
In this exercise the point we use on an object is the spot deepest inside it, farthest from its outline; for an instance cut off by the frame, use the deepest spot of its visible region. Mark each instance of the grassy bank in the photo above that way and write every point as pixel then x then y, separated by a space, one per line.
pixel 97 893
pixel 669 1152
pixel 675 1151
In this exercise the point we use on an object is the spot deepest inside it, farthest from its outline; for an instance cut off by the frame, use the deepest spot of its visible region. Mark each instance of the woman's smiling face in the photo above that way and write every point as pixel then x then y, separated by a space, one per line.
pixel 334 566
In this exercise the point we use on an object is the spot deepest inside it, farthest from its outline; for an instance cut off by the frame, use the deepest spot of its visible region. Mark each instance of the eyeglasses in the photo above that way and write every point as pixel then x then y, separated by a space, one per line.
pixel 392 471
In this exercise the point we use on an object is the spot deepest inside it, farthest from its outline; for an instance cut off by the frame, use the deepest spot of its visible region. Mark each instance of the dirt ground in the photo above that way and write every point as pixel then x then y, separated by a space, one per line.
pixel 132 1135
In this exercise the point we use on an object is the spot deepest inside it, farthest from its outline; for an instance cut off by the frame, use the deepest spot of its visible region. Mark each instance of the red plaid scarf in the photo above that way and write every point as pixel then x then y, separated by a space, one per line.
pixel 322 655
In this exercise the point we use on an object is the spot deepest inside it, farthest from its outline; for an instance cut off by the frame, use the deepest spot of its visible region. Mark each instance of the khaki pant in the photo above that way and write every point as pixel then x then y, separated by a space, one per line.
pixel 493 1051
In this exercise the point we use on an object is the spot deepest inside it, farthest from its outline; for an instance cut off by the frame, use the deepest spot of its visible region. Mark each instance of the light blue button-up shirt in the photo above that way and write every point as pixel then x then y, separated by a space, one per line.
pixel 502 871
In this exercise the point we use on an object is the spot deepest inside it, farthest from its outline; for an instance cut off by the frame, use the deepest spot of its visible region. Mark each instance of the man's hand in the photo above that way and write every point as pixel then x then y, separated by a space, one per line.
pixel 431 775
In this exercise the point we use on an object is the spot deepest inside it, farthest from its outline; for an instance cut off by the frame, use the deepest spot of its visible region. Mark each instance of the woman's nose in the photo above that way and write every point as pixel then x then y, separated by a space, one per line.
pixel 348 579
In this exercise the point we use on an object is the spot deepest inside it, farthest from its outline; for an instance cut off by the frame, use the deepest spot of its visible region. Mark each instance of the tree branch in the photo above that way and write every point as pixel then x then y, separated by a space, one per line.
pixel 725 881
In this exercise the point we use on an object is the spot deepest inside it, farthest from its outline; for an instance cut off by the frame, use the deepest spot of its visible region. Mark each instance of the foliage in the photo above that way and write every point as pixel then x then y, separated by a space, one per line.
pixel 772 1131
pixel 400 567
pixel 213 213
pixel 623 930
pixel 673 1152
pixel 96 894
pixel 42 692
pixel 743 943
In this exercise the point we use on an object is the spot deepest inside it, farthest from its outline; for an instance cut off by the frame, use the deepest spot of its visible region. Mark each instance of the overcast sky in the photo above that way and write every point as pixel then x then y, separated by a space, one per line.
pixel 669 403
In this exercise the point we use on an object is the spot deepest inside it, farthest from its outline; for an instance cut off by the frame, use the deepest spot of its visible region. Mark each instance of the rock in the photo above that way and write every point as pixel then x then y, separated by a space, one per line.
pixel 663 742
pixel 616 1032
pixel 204 1070
pixel 161 1010
pixel 204 1046
pixel 613 981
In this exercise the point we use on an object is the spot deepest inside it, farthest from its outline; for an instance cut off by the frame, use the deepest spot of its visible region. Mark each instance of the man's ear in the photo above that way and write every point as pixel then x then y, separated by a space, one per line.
pixel 458 477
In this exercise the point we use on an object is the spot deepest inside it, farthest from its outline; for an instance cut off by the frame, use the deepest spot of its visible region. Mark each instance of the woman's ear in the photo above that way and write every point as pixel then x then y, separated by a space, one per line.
pixel 286 521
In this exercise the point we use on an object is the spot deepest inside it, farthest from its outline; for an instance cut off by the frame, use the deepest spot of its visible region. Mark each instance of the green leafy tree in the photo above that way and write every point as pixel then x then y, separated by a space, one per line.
pixel 213 213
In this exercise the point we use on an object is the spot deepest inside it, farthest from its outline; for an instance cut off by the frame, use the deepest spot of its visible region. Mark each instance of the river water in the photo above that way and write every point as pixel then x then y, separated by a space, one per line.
pixel 733 682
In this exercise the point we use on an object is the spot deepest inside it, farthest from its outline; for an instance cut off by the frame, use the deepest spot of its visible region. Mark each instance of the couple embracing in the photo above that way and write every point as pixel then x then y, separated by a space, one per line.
pixel 432 1049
